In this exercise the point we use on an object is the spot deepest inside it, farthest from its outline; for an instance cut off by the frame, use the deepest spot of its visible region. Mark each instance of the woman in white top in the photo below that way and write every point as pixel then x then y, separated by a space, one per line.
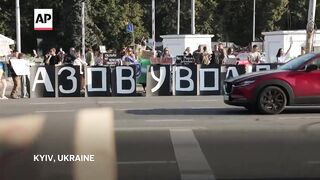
pixel 281 56
pixel 79 62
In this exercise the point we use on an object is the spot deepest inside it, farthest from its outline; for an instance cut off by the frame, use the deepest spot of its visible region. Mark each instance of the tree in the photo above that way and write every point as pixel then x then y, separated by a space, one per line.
pixel 207 20
pixel 269 15
pixel 297 15
pixel 6 16
pixel 113 17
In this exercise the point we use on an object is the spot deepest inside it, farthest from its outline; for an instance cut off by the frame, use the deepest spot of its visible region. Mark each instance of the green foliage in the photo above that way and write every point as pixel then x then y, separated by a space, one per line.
pixel 106 20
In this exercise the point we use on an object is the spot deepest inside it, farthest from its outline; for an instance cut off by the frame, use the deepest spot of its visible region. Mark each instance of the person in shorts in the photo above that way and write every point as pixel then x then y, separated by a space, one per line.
pixel 3 77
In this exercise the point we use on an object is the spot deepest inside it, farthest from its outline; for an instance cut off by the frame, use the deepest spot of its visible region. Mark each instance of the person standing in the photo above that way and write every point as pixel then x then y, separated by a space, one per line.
pixel 61 54
pixel 25 83
pixel 15 78
pixel 205 56
pixel 230 53
pixel 255 56
pixel 222 55
pixel 281 56
pixel 90 57
pixel 79 62
pixel 166 53
pixel 197 55
pixel 129 57
pixel 187 52
pixel 214 55
pixel 3 77
pixel 70 57
pixel 51 58
pixel 218 54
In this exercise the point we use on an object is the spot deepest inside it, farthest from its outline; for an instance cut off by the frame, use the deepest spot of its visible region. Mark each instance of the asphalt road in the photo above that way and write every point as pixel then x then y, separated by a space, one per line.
pixel 184 137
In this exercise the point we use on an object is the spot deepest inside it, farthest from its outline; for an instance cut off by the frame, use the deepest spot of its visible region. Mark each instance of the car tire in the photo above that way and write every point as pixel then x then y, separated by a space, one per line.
pixel 271 100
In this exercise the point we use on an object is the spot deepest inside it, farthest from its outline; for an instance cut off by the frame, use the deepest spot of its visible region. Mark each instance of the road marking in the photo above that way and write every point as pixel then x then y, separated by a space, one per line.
pixel 204 100
pixel 145 162
pixel 169 120
pixel 157 128
pixel 132 109
pixel 48 103
pixel 191 160
pixel 56 111
pixel 288 118
pixel 313 162
pixel 174 108
pixel 115 102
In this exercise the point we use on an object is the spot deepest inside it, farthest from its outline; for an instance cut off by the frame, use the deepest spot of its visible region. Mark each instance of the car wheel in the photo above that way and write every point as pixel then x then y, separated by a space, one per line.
pixel 272 100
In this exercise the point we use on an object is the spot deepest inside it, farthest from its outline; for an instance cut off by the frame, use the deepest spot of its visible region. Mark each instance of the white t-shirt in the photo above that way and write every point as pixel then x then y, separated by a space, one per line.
pixel 283 59
pixel 81 63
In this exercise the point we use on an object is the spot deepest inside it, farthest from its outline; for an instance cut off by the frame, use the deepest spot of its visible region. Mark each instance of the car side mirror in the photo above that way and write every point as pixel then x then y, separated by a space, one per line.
pixel 311 67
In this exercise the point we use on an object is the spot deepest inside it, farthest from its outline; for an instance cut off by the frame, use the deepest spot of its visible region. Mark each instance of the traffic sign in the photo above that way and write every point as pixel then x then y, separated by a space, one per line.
pixel 129 28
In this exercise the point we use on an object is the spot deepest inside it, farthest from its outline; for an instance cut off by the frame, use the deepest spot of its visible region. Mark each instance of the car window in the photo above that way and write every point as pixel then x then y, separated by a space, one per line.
pixel 296 63
pixel 315 61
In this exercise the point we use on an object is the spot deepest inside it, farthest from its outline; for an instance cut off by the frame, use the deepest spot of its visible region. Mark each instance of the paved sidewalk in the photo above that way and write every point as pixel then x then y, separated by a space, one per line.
pixel 9 87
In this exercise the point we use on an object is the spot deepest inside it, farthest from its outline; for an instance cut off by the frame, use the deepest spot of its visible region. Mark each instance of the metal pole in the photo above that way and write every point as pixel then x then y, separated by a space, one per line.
pixel 178 20
pixel 193 17
pixel 83 31
pixel 310 25
pixel 133 43
pixel 254 22
pixel 154 26
pixel 18 29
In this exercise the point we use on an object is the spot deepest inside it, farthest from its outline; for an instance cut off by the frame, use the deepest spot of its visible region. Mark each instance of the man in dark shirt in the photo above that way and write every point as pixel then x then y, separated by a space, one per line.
pixel 51 58
pixel 69 58
pixel 197 54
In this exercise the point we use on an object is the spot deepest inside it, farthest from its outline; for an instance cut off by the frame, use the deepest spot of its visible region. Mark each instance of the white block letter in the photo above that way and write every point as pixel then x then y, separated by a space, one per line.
pixel 160 80
pixel 233 70
pixel 71 77
pixel 103 79
pixel 185 78
pixel 213 72
pixel 45 80
pixel 120 78
pixel 262 68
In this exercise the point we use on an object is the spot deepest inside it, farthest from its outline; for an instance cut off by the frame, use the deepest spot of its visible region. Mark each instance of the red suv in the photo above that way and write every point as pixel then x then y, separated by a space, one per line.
pixel 294 83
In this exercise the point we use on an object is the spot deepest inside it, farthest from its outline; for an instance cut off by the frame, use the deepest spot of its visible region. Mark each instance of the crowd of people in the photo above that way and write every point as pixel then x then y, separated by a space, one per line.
pixel 128 55
pixel 219 55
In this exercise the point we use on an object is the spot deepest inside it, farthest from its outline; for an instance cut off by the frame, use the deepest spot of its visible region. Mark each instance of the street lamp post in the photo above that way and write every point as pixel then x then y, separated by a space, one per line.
pixel 154 27
pixel 83 31
pixel 193 19
pixel 254 22
pixel 18 29
pixel 178 18
pixel 310 25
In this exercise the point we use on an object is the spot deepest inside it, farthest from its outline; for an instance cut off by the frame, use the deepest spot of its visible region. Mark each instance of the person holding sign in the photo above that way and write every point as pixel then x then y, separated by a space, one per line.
pixel 15 78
